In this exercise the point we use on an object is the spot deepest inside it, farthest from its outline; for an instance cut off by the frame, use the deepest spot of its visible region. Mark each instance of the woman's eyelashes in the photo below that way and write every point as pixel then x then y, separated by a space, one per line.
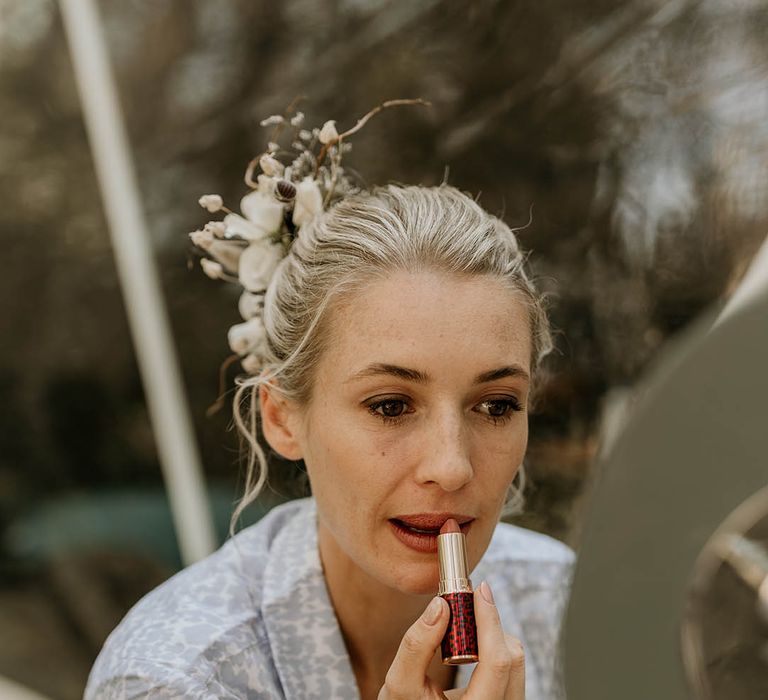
pixel 390 413
pixel 508 407
pixel 497 411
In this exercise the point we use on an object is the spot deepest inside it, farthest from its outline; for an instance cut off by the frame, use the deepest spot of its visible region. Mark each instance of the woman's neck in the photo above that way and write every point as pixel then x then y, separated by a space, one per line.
pixel 373 619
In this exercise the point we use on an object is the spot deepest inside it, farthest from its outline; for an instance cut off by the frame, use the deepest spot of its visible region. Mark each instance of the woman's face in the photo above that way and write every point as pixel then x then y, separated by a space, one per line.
pixel 380 444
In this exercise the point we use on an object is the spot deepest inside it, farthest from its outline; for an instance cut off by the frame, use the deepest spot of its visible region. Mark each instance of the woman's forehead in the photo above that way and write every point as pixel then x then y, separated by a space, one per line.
pixel 435 318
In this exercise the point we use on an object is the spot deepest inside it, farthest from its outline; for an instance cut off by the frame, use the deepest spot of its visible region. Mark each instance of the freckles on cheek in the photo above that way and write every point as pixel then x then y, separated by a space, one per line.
pixel 384 458
pixel 503 458
pixel 395 450
pixel 500 449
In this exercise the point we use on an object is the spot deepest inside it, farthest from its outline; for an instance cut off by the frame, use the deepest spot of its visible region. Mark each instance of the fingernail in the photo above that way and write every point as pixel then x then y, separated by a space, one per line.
pixel 485 591
pixel 432 613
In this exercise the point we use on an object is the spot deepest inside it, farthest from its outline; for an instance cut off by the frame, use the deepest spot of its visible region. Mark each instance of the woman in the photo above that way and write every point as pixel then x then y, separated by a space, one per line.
pixel 403 337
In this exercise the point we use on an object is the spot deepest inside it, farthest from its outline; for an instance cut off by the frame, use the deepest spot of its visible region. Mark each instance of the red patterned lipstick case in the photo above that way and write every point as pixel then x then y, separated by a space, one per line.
pixel 459 645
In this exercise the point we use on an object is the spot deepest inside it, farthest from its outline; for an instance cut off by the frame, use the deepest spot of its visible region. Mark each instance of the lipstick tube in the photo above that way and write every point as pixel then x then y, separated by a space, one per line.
pixel 459 645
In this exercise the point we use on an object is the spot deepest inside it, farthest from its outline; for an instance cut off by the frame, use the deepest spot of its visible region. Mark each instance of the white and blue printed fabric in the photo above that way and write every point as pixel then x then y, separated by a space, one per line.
pixel 254 619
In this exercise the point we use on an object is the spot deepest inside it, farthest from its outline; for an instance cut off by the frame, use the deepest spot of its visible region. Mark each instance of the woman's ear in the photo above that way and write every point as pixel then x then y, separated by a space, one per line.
pixel 280 422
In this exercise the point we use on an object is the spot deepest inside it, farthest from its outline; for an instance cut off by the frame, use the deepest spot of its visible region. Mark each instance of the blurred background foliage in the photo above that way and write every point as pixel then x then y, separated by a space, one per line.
pixel 635 132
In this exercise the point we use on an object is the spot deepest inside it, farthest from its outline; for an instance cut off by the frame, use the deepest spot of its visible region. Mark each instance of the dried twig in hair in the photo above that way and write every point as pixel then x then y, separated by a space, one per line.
pixel 362 122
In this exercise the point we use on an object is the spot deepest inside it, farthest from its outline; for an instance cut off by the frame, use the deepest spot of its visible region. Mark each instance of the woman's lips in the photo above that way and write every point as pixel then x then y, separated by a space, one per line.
pixel 431 521
pixel 420 540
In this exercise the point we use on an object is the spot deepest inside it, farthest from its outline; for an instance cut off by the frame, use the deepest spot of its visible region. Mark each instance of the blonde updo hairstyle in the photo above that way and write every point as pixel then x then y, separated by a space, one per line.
pixel 368 236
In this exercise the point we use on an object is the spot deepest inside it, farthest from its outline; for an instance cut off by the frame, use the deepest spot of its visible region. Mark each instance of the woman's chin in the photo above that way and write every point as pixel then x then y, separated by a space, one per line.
pixel 417 582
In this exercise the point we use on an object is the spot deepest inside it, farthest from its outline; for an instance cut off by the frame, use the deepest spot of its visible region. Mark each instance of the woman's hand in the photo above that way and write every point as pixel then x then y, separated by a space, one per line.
pixel 499 675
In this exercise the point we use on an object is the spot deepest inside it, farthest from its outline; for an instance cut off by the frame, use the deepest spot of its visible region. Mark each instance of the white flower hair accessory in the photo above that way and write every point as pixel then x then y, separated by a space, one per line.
pixel 246 248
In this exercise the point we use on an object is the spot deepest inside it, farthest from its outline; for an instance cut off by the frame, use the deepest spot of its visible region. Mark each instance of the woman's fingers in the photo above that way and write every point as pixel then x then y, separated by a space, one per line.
pixel 500 673
pixel 516 687
pixel 407 676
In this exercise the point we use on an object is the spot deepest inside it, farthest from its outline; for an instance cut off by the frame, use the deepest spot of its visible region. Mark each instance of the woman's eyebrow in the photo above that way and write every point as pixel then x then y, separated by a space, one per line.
pixel 415 375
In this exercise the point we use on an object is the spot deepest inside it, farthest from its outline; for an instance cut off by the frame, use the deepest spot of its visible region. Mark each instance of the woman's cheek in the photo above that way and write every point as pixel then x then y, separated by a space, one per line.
pixel 388 442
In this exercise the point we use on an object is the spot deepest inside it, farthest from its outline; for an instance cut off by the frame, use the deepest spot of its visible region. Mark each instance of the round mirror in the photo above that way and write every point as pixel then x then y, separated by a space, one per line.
pixel 724 631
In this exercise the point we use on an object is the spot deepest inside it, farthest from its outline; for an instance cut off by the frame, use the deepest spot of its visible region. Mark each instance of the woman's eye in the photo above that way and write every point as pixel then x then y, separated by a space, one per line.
pixel 390 410
pixel 501 410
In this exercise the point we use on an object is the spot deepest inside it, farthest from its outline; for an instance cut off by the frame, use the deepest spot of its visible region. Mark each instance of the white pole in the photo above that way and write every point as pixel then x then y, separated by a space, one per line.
pixel 138 278
pixel 10 690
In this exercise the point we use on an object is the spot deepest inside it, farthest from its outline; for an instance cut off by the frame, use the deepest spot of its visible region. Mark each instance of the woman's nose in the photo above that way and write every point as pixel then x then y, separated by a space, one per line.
pixel 446 458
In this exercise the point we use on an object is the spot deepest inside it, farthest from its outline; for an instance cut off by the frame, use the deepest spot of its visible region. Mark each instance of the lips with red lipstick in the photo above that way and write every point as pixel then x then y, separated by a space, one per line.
pixel 419 531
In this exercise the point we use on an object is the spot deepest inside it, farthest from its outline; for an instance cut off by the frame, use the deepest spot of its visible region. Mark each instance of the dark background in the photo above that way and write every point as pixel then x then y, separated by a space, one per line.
pixel 636 132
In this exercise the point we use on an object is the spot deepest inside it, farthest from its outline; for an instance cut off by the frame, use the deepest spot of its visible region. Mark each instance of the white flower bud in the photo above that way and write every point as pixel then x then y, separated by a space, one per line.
pixel 257 265
pixel 216 228
pixel 271 166
pixel 273 120
pixel 227 253
pixel 297 119
pixel 239 227
pixel 202 239
pixel 266 183
pixel 328 133
pixel 308 202
pixel 305 135
pixel 251 364
pixel 211 268
pixel 273 147
pixel 211 202
pixel 246 337
pixel 249 305
pixel 263 211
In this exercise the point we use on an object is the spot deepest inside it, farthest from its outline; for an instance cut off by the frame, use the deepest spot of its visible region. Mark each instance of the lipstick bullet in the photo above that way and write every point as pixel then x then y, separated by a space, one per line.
pixel 459 645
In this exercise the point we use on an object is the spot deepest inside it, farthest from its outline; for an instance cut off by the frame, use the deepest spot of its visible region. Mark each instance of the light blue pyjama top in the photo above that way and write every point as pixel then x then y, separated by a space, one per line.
pixel 254 619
